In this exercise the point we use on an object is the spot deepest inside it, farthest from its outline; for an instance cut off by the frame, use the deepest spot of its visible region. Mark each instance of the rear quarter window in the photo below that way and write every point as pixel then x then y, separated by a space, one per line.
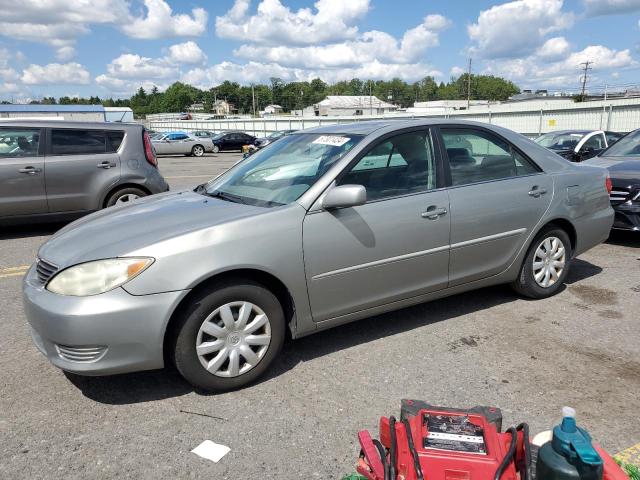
pixel 114 140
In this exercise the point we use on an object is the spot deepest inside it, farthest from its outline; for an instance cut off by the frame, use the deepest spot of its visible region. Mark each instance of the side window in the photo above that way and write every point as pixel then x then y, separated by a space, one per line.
pixel 612 137
pixel 594 143
pixel 180 136
pixel 19 142
pixel 114 139
pixel 479 156
pixel 400 165
pixel 77 142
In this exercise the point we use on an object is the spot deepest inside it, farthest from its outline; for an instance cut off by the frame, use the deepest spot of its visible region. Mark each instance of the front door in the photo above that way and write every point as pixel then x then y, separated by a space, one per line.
pixel 393 247
pixel 81 165
pixel 22 187
pixel 497 197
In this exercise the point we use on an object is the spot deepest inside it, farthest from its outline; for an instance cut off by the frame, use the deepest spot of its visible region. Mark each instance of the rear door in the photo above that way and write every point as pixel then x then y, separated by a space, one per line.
pixel 22 175
pixel 82 165
pixel 393 247
pixel 497 197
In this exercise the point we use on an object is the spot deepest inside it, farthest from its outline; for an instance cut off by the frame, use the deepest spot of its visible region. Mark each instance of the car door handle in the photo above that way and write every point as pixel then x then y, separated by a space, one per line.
pixel 30 170
pixel 433 212
pixel 535 192
pixel 106 165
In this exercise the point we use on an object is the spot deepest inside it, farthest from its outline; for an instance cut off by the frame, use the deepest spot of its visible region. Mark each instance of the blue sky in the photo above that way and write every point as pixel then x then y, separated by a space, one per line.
pixel 111 47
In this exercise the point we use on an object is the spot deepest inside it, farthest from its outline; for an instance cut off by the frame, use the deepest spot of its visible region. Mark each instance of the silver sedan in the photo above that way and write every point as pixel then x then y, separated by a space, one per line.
pixel 321 228
pixel 176 143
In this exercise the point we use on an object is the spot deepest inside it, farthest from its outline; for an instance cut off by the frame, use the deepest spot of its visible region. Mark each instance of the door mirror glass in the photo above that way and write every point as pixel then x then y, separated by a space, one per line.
pixel 345 196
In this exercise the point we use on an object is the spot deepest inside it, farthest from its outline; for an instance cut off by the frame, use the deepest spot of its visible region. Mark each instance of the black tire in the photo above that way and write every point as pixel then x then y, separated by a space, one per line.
pixel 197 150
pixel 119 195
pixel 185 333
pixel 526 284
pixel 216 149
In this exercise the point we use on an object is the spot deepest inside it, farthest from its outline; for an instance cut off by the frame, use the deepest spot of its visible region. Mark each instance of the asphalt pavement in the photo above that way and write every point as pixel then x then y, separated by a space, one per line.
pixel 579 348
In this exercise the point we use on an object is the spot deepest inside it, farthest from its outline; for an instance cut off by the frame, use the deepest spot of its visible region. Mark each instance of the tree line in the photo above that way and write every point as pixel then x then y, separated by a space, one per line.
pixel 297 95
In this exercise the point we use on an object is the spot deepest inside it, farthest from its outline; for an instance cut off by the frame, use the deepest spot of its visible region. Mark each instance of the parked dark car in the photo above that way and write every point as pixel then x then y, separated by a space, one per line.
pixel 62 170
pixel 623 162
pixel 272 137
pixel 231 141
pixel 578 145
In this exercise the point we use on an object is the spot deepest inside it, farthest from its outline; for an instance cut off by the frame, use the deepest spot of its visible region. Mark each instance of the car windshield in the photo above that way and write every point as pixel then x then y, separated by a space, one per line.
pixel 560 141
pixel 217 136
pixel 275 134
pixel 282 172
pixel 627 146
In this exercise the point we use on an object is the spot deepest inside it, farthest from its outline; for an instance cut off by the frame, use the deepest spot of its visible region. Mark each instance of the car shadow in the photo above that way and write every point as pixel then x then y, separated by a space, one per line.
pixel 161 384
pixel 624 238
pixel 24 231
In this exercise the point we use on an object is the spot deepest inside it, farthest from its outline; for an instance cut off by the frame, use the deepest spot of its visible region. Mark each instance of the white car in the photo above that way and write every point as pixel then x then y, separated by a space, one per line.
pixel 176 143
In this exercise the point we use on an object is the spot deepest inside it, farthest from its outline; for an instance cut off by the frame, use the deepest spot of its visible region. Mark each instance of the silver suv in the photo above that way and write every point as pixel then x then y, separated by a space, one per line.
pixel 54 169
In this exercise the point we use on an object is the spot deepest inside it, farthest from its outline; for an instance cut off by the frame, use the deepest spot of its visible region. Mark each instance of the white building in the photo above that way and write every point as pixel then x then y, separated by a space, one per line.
pixel 271 110
pixel 337 105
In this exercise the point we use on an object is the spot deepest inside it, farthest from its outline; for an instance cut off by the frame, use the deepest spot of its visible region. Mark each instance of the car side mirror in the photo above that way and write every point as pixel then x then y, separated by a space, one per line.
pixel 344 196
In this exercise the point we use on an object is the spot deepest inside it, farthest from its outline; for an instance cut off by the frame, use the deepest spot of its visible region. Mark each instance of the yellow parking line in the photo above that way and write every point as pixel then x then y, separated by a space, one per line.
pixel 630 455
pixel 13 271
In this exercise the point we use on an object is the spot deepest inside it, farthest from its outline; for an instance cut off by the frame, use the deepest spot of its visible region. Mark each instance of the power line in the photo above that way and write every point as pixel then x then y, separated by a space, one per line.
pixel 584 78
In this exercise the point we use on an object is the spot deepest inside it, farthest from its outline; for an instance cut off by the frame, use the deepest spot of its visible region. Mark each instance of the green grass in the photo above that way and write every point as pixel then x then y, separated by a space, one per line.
pixel 632 471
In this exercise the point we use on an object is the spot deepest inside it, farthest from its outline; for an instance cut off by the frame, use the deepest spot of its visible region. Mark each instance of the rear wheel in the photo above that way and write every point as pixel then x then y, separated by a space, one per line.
pixel 228 336
pixel 124 196
pixel 197 150
pixel 546 265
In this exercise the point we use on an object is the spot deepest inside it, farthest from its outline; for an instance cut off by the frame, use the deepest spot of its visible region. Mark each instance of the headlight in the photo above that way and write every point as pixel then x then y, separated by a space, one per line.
pixel 96 277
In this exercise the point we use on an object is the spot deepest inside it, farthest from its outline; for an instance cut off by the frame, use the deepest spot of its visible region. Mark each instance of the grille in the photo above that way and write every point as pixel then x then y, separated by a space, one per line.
pixel 81 354
pixel 45 270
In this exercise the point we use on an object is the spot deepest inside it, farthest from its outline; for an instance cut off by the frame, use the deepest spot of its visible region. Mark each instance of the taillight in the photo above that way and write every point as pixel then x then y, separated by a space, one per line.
pixel 608 184
pixel 149 153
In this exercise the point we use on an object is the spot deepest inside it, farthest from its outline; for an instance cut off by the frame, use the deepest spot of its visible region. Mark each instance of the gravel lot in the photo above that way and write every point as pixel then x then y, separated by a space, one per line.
pixel 530 358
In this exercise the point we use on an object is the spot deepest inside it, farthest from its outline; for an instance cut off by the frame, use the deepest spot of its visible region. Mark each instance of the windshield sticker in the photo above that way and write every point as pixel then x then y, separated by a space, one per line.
pixel 333 140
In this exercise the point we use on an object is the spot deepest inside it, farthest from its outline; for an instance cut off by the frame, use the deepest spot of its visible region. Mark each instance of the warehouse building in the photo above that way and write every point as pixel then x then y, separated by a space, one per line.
pixel 348 105
pixel 85 113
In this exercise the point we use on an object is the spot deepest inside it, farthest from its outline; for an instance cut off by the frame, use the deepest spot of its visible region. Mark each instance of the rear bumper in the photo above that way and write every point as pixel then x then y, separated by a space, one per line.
pixel 113 332
pixel 627 217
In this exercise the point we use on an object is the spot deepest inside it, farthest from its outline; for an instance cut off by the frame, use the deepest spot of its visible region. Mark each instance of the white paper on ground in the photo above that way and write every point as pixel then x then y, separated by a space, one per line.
pixel 211 451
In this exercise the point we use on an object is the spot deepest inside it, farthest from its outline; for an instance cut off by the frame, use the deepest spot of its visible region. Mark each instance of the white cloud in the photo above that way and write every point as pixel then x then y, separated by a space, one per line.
pixel 59 23
pixel 554 49
pixel 517 28
pixel 274 24
pixel 537 72
pixel 456 71
pixel 187 52
pixel 161 22
pixel 131 66
pixel 55 73
pixel 367 47
pixel 610 7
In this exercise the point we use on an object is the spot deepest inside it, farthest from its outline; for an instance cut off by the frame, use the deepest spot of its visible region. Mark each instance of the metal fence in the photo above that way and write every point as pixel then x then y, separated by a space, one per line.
pixel 531 119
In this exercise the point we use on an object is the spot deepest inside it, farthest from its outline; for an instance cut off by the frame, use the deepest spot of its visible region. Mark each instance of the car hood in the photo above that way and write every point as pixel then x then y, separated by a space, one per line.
pixel 118 231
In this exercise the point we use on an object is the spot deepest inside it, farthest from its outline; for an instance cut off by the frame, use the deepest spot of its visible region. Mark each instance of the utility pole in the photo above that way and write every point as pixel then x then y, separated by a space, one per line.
pixel 584 77
pixel 469 85
pixel 253 100
pixel 370 100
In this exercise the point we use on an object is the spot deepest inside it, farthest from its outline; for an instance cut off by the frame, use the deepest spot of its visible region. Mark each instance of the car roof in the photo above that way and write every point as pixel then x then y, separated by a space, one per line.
pixel 369 126
pixel 564 132
pixel 67 124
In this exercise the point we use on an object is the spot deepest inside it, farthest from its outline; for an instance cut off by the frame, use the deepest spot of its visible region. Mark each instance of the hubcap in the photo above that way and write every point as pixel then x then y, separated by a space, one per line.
pixel 548 261
pixel 233 339
pixel 129 197
pixel 197 151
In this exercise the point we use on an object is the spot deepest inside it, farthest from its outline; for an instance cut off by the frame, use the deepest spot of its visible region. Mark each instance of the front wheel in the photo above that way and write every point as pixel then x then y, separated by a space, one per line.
pixel 546 265
pixel 229 336
pixel 197 150
pixel 216 149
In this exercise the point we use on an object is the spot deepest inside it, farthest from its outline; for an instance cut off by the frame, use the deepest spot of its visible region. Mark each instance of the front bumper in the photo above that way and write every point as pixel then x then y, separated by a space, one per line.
pixel 113 332
pixel 627 216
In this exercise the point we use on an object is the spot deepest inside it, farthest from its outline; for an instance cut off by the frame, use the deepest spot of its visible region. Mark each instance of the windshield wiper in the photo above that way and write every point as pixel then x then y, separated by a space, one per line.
pixel 226 196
